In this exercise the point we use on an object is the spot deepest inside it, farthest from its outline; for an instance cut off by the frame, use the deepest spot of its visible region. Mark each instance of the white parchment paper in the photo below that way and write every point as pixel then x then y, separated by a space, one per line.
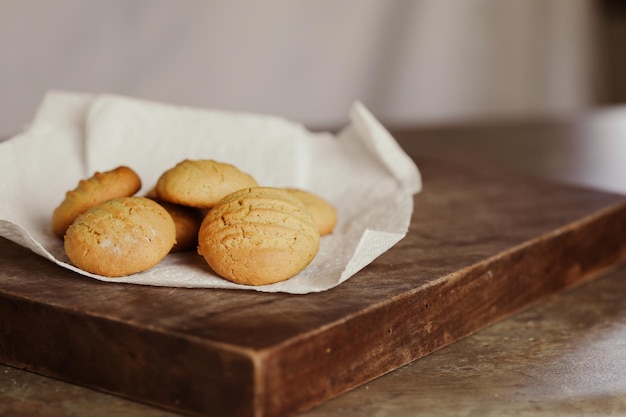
pixel 361 170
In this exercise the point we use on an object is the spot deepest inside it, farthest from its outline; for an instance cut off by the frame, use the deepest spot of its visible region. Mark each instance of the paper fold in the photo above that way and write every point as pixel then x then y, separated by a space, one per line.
pixel 362 171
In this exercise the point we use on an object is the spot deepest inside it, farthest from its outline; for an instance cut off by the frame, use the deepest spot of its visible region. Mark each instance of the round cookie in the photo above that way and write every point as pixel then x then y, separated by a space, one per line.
pixel 102 186
pixel 187 221
pixel 120 237
pixel 258 236
pixel 201 183
pixel 324 213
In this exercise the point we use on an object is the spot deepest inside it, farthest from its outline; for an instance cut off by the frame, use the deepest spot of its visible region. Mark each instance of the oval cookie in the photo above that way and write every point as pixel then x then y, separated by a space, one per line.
pixel 201 183
pixel 324 213
pixel 120 237
pixel 102 186
pixel 187 221
pixel 258 236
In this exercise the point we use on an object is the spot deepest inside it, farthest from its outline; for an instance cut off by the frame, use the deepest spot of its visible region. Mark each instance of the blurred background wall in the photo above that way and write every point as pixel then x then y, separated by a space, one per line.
pixel 410 62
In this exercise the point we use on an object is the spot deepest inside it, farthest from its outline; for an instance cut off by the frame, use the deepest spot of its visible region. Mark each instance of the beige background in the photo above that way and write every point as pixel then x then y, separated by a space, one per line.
pixel 423 61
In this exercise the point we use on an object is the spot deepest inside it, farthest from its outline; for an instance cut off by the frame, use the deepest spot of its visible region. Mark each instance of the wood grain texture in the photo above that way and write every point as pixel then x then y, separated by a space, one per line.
pixel 565 356
pixel 481 245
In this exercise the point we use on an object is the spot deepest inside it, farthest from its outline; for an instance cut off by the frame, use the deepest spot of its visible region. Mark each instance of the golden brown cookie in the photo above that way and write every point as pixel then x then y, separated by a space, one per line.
pixel 201 183
pixel 324 213
pixel 187 221
pixel 120 237
pixel 102 186
pixel 258 236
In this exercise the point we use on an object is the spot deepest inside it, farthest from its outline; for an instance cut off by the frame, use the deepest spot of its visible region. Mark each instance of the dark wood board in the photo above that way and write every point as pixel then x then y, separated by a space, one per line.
pixel 481 246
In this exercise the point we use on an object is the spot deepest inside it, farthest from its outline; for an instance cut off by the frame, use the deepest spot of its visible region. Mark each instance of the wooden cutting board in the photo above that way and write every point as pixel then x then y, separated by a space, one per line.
pixel 481 245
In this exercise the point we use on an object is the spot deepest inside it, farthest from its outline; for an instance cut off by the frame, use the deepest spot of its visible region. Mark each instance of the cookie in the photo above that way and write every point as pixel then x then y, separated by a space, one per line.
pixel 187 221
pixel 258 236
pixel 120 237
pixel 102 186
pixel 324 213
pixel 201 183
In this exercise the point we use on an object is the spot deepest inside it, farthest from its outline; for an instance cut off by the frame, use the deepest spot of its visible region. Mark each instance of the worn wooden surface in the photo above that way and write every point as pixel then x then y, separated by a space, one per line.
pixel 482 245
pixel 565 356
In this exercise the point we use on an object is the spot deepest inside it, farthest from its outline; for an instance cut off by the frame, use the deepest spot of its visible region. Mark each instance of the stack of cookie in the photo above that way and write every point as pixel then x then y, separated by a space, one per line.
pixel 247 234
